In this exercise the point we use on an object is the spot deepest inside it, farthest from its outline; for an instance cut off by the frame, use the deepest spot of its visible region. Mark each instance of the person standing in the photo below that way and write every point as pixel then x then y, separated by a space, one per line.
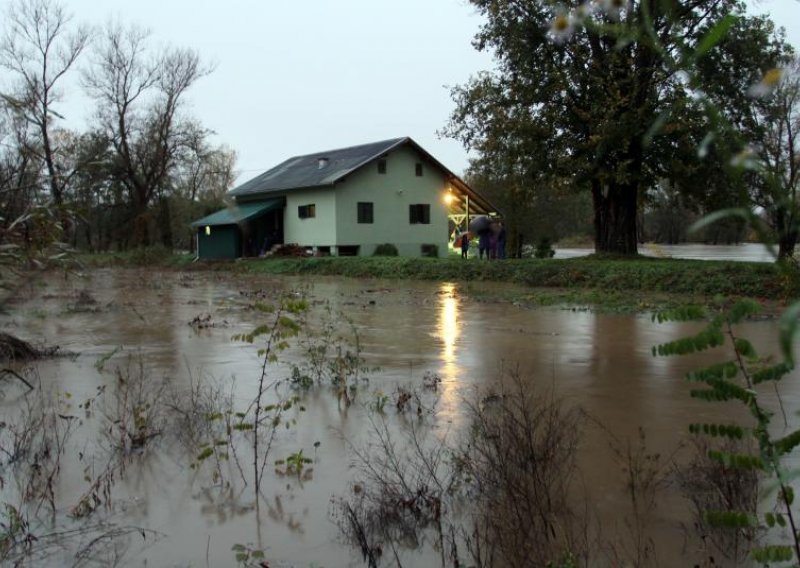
pixel 483 244
pixel 465 244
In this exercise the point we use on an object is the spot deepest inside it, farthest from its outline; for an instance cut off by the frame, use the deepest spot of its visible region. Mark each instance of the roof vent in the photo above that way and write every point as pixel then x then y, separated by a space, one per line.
pixel 321 163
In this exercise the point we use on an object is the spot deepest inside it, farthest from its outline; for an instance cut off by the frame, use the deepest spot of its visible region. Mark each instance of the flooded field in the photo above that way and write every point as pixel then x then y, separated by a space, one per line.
pixel 407 333
pixel 744 252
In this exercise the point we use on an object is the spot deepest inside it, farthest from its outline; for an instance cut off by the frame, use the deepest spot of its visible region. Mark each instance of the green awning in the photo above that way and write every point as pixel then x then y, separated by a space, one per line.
pixel 239 212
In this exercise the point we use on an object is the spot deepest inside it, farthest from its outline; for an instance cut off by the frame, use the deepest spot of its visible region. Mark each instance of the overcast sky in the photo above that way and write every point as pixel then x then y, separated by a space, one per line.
pixel 300 76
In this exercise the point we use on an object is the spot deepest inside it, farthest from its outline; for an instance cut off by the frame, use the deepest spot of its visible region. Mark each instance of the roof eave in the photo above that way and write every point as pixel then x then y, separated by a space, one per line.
pixel 276 192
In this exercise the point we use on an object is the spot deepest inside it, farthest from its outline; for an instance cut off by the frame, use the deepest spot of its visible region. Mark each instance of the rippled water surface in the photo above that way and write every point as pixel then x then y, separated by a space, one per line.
pixel 602 363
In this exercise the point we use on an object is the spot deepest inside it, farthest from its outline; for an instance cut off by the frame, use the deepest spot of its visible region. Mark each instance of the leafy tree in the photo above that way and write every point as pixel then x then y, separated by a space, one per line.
pixel 531 209
pixel 593 98
pixel 759 98
pixel 775 159
pixel 777 192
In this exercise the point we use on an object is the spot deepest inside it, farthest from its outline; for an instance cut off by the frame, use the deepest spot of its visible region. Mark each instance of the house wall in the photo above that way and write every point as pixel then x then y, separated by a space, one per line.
pixel 391 195
pixel 318 231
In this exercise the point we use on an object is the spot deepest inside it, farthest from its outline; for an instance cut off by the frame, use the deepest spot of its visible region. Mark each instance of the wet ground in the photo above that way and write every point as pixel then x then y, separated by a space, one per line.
pixel 602 363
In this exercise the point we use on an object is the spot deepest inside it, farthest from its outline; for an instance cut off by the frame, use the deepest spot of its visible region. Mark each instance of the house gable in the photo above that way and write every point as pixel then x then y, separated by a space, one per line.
pixel 390 196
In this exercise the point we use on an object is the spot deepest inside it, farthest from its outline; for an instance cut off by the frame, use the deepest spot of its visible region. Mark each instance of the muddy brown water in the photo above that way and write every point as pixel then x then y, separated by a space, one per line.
pixel 600 362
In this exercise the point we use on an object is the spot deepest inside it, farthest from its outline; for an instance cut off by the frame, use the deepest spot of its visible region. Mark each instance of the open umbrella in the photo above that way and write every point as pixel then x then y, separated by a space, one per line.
pixel 479 224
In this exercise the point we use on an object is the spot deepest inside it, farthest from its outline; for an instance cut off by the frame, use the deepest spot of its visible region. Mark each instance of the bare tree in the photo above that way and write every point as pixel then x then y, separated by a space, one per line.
pixel 207 172
pixel 139 98
pixel 39 48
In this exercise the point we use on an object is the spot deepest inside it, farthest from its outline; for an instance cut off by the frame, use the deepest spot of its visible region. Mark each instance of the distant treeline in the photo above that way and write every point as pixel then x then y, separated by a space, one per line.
pixel 140 171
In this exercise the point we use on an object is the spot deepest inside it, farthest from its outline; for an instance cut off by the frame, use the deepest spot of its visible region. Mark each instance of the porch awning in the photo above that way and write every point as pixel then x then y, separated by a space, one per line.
pixel 239 212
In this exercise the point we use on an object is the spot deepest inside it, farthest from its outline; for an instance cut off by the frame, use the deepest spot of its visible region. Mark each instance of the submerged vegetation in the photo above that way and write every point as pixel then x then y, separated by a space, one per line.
pixel 502 488
pixel 225 445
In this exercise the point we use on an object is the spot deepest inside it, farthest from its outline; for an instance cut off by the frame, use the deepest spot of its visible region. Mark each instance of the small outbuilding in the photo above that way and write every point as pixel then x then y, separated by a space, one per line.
pixel 345 202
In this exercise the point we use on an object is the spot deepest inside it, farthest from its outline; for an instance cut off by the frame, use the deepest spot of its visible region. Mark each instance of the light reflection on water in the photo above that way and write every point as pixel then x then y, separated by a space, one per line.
pixel 449 331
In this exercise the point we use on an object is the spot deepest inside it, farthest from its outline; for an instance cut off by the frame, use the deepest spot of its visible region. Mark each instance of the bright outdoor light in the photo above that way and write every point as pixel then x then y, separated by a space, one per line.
pixel 208 230
pixel 448 198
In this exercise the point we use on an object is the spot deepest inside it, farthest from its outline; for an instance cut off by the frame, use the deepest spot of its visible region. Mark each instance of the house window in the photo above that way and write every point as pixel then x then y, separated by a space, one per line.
pixel 418 169
pixel 419 214
pixel 307 211
pixel 381 166
pixel 365 212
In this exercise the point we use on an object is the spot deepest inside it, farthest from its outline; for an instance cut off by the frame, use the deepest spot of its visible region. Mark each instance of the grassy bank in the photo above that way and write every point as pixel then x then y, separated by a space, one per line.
pixel 708 278
pixel 618 284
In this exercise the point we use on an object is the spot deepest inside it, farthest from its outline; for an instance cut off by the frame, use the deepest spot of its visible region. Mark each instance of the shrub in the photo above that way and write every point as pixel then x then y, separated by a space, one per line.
pixel 386 249
pixel 146 256
pixel 544 249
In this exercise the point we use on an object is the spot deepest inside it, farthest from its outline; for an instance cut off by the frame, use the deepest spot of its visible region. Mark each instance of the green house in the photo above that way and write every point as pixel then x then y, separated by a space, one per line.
pixel 344 202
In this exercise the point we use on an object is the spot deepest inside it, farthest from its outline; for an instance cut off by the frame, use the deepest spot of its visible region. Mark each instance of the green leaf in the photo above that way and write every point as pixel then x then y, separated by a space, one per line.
pixel 738 461
pixel 719 216
pixel 683 313
pixel 706 339
pixel 731 519
pixel 714 35
pixel 788 330
pixel 769 554
pixel 726 370
pixel 787 443
pixel 773 373
pixel 656 127
pixel 743 309
pixel 238 548
pixel 769 518
pixel 732 431
pixel 745 348
pixel 208 452
pixel 264 308
pixel 702 149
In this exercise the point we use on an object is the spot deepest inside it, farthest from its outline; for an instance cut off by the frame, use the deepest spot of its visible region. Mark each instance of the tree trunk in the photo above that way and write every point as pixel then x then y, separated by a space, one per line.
pixel 786 244
pixel 165 223
pixel 615 214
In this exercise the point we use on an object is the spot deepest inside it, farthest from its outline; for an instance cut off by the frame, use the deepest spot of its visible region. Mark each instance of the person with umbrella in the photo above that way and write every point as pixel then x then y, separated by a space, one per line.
pixel 482 226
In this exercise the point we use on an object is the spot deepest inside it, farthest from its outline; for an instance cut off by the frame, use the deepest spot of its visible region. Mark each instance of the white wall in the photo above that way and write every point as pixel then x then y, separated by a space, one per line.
pixel 391 194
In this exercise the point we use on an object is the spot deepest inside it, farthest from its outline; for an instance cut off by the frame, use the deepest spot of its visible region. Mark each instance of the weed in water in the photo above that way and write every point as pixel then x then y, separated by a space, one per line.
pixel 742 379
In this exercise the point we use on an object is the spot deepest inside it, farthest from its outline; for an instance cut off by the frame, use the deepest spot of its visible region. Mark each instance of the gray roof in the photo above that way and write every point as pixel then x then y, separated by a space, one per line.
pixel 304 171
